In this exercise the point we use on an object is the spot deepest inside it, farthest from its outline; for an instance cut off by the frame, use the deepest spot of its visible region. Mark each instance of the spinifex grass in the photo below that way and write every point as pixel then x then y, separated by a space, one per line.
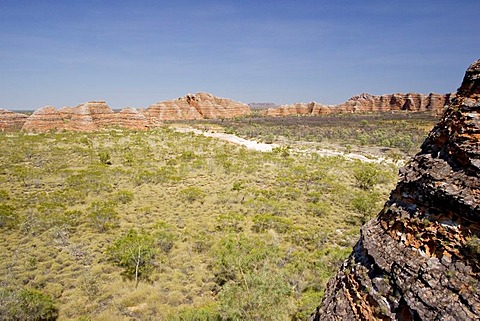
pixel 215 220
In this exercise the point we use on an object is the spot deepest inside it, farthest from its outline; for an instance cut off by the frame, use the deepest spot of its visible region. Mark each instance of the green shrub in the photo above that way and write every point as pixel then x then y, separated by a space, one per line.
pixel 104 158
pixel 473 247
pixel 165 236
pixel 230 222
pixel 366 175
pixel 26 304
pixel 103 215
pixel 135 252
pixel 262 295
pixel 124 196
pixel 192 194
pixel 309 301
pixel 365 204
pixel 203 313
pixel 265 222
pixel 8 216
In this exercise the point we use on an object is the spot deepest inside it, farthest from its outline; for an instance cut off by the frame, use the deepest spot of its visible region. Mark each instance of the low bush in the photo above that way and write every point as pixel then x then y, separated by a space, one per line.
pixel 26 304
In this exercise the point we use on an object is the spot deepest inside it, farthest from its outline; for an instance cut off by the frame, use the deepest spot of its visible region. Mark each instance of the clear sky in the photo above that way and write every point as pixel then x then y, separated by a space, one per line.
pixel 135 53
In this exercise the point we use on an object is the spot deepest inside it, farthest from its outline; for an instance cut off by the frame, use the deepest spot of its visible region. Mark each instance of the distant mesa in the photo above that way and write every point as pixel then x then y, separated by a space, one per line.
pixel 419 259
pixel 95 115
pixel 257 106
pixel 369 103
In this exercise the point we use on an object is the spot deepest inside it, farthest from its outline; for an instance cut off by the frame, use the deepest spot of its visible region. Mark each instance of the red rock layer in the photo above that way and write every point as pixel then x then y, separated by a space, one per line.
pixel 10 120
pixel 198 106
pixel 419 259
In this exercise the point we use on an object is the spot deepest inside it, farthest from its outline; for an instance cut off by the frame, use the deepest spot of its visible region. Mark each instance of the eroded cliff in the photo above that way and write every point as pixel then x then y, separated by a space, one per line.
pixel 419 259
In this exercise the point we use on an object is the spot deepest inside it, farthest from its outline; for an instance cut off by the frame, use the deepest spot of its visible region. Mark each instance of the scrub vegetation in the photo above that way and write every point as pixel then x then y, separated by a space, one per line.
pixel 122 225
pixel 401 131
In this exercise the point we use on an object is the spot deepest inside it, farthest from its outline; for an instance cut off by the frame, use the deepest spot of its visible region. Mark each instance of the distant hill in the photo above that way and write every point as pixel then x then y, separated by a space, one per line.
pixel 262 105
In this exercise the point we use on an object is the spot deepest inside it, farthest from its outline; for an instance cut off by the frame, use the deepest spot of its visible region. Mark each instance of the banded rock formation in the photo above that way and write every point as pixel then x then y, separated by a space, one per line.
pixel 90 116
pixel 95 115
pixel 10 120
pixel 132 118
pixel 198 106
pixel 419 259
pixel 312 108
pixel 369 103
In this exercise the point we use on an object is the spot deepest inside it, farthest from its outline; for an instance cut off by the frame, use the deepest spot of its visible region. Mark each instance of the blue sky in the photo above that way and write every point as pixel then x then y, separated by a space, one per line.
pixel 135 53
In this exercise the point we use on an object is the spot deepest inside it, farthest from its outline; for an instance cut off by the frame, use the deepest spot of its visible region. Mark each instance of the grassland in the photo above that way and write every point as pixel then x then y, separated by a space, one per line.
pixel 122 225
pixel 399 132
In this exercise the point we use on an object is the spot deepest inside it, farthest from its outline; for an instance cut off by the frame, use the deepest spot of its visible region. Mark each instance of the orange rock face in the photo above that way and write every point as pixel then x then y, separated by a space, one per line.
pixel 198 106
pixel 10 120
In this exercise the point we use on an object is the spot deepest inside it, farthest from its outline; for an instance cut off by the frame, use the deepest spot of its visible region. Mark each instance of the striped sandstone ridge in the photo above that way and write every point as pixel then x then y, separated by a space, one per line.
pixel 90 116
pixel 369 103
pixel 132 118
pixel 198 106
pixel 10 120
pixel 419 259
pixel 95 115
pixel 306 109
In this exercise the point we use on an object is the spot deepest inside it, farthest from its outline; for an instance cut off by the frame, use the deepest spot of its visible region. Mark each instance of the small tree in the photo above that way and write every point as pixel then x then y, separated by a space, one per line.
pixel 135 252
pixel 366 176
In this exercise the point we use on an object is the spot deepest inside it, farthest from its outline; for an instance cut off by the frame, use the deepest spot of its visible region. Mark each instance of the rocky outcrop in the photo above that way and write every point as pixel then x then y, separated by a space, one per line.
pixel 131 118
pixel 419 259
pixel 10 120
pixel 44 119
pixel 90 116
pixel 95 115
pixel 312 108
pixel 411 101
pixel 369 103
pixel 198 106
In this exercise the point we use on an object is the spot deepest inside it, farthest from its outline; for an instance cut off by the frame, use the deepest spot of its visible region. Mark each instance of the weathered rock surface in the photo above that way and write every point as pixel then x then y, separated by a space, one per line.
pixel 10 120
pixel 90 116
pixel 419 259
pixel 132 118
pixel 369 103
pixel 198 106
